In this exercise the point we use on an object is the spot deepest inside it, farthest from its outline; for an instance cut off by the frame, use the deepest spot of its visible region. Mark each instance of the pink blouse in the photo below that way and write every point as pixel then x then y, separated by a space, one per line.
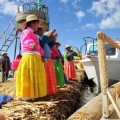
pixel 28 38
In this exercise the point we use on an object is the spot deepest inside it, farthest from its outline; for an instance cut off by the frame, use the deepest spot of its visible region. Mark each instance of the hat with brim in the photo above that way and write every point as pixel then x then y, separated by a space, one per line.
pixel 4 53
pixel 56 42
pixel 30 18
pixel 68 46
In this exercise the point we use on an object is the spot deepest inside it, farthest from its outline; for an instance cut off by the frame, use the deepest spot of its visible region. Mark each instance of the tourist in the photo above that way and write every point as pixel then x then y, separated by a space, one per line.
pixel 6 66
pixel 69 67
pixel 31 77
pixel 39 5
pixel 50 72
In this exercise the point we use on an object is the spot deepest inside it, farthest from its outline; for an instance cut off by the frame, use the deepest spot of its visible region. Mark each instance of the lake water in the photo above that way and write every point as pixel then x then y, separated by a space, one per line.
pixel 89 91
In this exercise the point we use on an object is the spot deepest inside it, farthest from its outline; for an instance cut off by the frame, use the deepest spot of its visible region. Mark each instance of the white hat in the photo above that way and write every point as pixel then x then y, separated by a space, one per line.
pixel 3 53
pixel 68 46
pixel 56 42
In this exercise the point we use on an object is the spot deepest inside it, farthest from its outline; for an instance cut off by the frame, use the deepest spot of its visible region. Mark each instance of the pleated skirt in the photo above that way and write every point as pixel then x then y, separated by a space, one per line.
pixel 59 72
pixel 69 69
pixel 31 77
pixel 50 76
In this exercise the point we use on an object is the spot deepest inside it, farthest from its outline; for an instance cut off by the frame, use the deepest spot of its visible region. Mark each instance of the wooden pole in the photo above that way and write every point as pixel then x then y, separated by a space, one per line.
pixel 103 73
pixel 115 105
pixel 111 42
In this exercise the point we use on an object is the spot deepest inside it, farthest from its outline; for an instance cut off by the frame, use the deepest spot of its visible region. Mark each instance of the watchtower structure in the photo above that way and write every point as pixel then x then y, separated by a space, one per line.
pixel 12 33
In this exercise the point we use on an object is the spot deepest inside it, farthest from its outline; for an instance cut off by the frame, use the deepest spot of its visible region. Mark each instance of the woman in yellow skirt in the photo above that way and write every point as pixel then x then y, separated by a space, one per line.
pixel 31 77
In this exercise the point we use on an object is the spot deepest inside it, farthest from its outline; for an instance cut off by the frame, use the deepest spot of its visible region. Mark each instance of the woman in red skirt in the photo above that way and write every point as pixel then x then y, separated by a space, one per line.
pixel 69 67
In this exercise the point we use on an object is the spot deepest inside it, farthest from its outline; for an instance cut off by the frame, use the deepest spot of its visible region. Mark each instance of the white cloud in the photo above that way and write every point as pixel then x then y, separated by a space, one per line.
pixel 104 7
pixel 89 26
pixel 107 23
pixel 111 22
pixel 21 1
pixel 66 9
pixel 76 4
pixel 9 7
pixel 80 15
pixel 109 11
pixel 64 1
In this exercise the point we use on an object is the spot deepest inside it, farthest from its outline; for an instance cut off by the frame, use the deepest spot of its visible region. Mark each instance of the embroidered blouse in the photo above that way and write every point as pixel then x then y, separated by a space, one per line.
pixel 28 38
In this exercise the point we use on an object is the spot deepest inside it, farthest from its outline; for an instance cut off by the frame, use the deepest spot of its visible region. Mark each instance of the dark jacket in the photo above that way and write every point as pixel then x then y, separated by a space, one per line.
pixel 6 63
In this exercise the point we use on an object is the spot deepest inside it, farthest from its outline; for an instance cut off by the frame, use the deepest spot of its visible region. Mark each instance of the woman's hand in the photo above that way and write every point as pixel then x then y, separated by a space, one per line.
pixel 72 53
pixel 50 33
pixel 53 31
pixel 54 36
pixel 33 46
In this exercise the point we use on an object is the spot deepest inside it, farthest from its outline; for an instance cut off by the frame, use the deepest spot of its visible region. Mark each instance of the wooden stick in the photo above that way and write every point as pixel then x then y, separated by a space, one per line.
pixel 117 109
pixel 111 42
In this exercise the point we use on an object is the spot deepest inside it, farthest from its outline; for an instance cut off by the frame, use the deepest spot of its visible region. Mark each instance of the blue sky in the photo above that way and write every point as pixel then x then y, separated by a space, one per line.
pixel 73 19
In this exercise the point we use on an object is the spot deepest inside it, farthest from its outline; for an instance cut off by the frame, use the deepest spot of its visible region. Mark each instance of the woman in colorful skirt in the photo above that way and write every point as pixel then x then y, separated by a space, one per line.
pixel 69 67
pixel 55 55
pixel 31 77
pixel 57 44
pixel 49 68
